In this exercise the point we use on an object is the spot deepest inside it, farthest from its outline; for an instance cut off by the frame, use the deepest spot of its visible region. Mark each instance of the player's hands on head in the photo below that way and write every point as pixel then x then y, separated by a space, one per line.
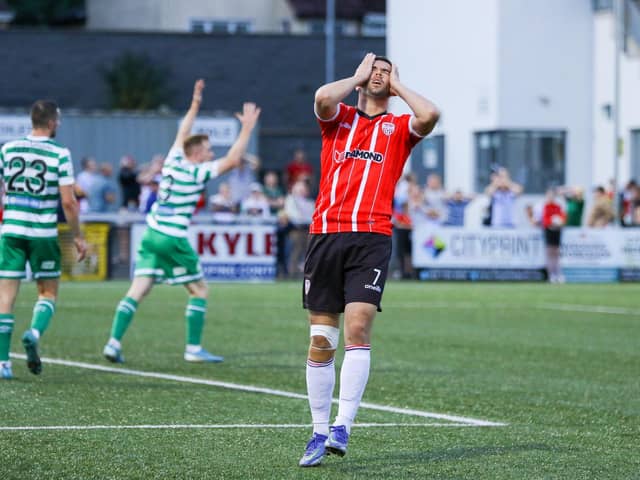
pixel 363 72
pixel 197 90
pixel 394 80
pixel 81 248
pixel 250 114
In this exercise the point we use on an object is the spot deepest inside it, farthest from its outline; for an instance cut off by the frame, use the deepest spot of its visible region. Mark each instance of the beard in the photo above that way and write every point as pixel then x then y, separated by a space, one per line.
pixel 377 92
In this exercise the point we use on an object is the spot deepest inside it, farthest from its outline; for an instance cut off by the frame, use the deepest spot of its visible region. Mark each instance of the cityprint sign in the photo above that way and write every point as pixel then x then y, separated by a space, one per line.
pixel 586 255
pixel 452 247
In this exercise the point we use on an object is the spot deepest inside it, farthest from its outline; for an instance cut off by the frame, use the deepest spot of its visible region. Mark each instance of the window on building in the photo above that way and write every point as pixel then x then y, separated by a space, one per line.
pixel 374 25
pixel 602 5
pixel 535 158
pixel 200 25
pixel 428 159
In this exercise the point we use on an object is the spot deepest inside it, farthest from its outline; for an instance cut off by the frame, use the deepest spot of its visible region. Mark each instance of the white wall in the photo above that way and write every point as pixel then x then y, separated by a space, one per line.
pixel 447 51
pixel 629 109
pixel 499 64
pixel 629 82
pixel 545 75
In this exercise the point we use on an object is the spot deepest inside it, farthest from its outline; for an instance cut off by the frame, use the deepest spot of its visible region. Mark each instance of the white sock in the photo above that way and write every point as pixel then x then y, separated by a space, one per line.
pixel 321 378
pixel 114 343
pixel 36 333
pixel 353 380
pixel 193 348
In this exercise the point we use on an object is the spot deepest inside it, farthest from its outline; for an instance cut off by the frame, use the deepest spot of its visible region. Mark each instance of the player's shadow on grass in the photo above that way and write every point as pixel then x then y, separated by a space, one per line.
pixel 393 461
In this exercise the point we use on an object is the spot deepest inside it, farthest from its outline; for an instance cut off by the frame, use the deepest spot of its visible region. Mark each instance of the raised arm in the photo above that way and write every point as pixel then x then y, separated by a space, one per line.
pixel 248 119
pixel 331 94
pixel 184 130
pixel 425 113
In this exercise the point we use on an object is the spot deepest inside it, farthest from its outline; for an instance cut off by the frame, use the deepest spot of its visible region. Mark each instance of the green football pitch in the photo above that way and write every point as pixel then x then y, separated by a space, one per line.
pixel 477 381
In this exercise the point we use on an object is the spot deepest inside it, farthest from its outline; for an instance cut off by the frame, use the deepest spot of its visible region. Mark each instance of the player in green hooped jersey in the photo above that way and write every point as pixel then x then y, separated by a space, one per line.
pixel 35 173
pixel 165 254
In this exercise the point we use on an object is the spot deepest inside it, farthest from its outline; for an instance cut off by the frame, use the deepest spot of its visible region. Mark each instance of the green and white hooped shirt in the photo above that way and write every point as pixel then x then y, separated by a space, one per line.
pixel 33 169
pixel 180 188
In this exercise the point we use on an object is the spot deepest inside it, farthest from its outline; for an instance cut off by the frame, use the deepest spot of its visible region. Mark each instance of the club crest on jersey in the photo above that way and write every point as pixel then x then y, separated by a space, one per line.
pixel 388 128
pixel 358 154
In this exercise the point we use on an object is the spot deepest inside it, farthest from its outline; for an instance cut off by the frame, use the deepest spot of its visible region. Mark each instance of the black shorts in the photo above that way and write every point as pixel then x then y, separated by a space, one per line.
pixel 552 237
pixel 342 268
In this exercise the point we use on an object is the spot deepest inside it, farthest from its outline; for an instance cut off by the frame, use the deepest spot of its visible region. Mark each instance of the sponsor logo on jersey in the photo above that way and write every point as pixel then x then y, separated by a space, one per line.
pixel 24 202
pixel 346 125
pixel 48 265
pixel 164 210
pixel 177 271
pixel 358 154
pixel 373 287
pixel 388 128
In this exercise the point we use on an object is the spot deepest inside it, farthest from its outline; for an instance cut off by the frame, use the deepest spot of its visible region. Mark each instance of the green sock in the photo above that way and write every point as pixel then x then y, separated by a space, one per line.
pixel 43 310
pixel 196 311
pixel 6 327
pixel 124 314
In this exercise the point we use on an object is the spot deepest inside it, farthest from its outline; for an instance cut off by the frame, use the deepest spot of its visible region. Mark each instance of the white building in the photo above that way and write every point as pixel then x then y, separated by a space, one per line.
pixel 522 84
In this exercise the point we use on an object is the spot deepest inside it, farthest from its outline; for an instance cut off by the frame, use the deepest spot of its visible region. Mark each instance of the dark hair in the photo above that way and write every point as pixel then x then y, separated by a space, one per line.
pixel 193 141
pixel 600 189
pixel 383 59
pixel 42 112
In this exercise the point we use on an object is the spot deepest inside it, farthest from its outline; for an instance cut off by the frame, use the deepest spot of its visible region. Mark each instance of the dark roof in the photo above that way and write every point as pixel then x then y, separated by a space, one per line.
pixel 345 9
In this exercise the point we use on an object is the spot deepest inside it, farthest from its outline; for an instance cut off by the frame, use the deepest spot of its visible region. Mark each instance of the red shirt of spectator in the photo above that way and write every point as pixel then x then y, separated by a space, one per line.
pixel 552 215
pixel 298 169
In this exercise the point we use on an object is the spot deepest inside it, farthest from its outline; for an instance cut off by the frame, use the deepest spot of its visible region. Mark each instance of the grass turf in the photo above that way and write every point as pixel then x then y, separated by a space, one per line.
pixel 559 364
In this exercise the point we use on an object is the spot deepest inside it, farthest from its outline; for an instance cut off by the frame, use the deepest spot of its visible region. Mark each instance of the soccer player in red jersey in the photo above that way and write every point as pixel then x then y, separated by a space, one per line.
pixel 364 149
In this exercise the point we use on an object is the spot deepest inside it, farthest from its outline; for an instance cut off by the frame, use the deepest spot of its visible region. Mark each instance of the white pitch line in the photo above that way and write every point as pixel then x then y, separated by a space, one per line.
pixel 588 308
pixel 218 426
pixel 268 391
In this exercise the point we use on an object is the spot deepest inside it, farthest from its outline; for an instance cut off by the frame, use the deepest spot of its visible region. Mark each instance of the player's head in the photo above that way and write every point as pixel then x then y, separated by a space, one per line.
pixel 197 148
pixel 45 115
pixel 378 85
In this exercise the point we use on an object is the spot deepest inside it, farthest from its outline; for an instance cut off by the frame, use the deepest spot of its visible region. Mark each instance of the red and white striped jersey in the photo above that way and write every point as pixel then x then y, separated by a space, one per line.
pixel 361 161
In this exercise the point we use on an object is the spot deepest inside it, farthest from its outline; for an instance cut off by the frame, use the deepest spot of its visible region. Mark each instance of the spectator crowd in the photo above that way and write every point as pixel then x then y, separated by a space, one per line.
pixel 561 206
pixel 285 198
pixel 246 193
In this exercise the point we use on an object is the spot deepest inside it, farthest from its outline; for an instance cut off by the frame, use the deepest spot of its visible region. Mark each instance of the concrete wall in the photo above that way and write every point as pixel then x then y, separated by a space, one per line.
pixel 173 16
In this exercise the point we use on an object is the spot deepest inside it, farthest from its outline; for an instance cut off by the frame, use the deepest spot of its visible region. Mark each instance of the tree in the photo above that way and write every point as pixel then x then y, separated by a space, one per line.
pixel 135 82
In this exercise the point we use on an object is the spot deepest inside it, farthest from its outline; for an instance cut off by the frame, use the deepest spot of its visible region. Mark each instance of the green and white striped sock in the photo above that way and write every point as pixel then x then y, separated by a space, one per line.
pixel 6 328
